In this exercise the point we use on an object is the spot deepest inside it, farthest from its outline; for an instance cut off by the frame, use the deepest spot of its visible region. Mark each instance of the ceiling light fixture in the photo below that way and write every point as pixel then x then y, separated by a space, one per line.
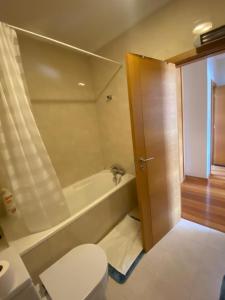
pixel 202 27
pixel 81 84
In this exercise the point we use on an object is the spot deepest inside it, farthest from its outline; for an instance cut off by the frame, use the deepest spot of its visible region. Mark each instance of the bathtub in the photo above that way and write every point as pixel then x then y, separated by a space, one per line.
pixel 96 205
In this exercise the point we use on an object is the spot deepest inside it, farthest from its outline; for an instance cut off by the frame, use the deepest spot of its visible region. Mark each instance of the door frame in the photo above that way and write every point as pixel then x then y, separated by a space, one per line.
pixel 182 59
pixel 196 54
pixel 213 86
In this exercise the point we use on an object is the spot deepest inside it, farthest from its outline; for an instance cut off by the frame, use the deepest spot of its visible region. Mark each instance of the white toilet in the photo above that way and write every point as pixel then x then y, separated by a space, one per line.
pixel 80 274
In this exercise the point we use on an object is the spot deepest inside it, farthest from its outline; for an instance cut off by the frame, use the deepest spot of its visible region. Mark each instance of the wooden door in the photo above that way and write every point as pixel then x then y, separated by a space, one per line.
pixel 219 126
pixel 153 107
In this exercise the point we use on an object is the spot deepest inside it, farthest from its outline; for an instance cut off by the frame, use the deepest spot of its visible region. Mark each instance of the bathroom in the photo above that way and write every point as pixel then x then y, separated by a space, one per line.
pixel 91 152
pixel 84 123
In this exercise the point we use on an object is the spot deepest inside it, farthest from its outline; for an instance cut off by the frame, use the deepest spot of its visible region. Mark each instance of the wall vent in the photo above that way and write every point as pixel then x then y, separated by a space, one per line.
pixel 213 35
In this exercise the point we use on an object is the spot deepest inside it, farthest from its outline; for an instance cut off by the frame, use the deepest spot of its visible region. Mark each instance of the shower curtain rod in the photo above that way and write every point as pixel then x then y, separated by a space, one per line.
pixel 63 44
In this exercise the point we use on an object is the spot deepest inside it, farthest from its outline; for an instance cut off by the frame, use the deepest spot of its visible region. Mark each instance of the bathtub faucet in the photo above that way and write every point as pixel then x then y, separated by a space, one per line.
pixel 117 171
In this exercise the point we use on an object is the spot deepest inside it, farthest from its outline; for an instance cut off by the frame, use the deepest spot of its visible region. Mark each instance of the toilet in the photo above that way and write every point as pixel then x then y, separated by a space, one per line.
pixel 80 274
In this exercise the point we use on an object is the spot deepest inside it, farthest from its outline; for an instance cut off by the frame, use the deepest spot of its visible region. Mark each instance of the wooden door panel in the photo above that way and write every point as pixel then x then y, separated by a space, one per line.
pixel 219 126
pixel 134 89
pixel 157 119
pixel 158 81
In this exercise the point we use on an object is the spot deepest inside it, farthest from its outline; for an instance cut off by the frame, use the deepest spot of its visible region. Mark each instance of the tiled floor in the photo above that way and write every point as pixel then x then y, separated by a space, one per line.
pixel 188 263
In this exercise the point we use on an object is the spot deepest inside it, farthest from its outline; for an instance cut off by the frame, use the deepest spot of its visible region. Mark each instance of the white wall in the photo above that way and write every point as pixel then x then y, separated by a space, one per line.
pixel 216 66
pixel 211 76
pixel 216 73
pixel 220 78
pixel 195 109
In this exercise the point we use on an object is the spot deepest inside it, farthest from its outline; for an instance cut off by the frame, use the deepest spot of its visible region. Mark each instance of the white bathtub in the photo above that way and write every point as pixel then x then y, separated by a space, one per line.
pixel 87 193
pixel 96 205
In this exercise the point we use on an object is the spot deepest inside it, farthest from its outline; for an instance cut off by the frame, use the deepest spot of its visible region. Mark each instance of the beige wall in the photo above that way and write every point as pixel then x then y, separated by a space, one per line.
pixel 164 34
pixel 70 133
pixel 65 113
pixel 53 72
pixel 82 137
pixel 167 32
pixel 113 116
pixel 114 122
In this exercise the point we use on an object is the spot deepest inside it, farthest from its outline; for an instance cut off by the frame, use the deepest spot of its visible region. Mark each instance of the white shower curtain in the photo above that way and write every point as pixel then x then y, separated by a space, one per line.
pixel 31 176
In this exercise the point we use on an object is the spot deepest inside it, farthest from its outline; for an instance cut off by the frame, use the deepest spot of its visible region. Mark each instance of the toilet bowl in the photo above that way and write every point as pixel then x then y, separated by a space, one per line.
pixel 80 274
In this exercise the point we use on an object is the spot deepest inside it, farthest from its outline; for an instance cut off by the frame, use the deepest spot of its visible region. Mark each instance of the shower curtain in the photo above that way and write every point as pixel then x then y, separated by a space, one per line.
pixel 31 177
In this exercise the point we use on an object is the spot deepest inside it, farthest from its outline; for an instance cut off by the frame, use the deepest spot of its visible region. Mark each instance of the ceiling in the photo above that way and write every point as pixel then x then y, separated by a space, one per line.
pixel 88 24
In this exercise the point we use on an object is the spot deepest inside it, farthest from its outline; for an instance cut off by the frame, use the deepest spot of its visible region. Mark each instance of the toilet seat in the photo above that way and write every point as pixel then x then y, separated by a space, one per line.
pixel 77 274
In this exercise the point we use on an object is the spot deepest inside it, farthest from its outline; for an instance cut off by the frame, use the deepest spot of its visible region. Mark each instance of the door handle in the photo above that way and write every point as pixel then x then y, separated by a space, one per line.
pixel 142 161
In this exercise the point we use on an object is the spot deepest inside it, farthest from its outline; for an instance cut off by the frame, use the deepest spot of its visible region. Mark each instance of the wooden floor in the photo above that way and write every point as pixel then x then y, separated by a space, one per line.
pixel 203 201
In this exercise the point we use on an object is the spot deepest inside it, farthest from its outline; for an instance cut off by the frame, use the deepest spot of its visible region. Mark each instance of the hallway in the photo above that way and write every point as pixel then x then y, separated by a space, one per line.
pixel 203 201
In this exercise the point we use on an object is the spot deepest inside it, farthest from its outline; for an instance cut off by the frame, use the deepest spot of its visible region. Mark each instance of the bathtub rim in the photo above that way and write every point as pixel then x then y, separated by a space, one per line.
pixel 25 244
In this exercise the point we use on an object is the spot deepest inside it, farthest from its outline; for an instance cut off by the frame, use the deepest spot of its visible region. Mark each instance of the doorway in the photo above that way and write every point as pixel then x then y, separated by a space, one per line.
pixel 218 127
pixel 203 189
pixel 158 120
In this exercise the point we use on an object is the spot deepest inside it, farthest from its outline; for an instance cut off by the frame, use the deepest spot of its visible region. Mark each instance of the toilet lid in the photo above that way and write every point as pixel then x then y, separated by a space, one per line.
pixel 76 274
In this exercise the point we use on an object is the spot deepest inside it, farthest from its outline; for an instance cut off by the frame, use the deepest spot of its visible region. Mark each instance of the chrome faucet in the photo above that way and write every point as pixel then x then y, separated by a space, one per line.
pixel 117 171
